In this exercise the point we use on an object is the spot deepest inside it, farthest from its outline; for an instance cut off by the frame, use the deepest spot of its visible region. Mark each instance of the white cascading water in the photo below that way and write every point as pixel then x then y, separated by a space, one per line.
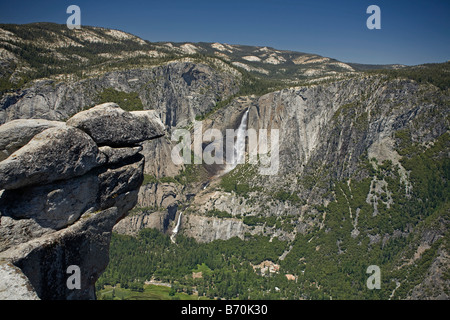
pixel 239 145
pixel 175 230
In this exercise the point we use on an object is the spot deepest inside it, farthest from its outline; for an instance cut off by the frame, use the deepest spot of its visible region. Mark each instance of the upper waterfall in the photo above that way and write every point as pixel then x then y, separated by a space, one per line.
pixel 239 146
pixel 175 230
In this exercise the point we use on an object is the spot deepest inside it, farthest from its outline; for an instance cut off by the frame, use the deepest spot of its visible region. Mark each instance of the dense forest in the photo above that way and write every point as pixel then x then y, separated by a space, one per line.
pixel 226 266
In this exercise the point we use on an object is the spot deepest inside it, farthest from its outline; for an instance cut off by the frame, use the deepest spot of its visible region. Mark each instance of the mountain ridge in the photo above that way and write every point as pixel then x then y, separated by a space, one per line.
pixel 27 45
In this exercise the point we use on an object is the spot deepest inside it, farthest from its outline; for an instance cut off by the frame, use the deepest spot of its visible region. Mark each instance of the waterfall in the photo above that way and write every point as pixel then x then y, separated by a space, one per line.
pixel 239 145
pixel 175 230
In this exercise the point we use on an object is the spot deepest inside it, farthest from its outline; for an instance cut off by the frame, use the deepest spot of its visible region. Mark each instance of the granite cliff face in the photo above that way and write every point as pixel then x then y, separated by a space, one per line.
pixel 177 91
pixel 65 185
pixel 341 143
pixel 324 132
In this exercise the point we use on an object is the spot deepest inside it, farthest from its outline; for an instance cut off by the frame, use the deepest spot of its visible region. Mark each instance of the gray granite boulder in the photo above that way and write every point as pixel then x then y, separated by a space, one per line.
pixel 17 133
pixel 62 189
pixel 14 285
pixel 55 154
pixel 109 125
pixel 116 155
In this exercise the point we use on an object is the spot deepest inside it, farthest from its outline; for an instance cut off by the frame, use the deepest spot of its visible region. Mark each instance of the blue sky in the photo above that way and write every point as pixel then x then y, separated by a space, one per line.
pixel 412 32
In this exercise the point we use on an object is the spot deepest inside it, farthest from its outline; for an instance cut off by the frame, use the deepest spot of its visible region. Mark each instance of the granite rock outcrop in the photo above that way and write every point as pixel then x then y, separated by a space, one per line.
pixel 64 187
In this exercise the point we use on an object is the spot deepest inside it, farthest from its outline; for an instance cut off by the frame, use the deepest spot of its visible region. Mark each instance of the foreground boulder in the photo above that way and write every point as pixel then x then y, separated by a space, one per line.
pixel 13 284
pixel 64 190
pixel 109 125
pixel 17 133
pixel 55 154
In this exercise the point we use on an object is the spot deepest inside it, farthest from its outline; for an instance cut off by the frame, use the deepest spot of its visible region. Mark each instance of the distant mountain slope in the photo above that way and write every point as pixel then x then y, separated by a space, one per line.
pixel 39 50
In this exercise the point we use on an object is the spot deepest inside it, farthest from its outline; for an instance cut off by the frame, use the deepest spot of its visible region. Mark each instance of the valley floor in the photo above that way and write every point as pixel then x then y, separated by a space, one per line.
pixel 146 292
